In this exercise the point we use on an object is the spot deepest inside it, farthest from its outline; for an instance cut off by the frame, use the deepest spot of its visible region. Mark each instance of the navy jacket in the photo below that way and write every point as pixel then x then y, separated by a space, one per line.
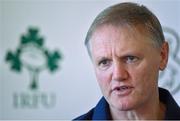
pixel 102 112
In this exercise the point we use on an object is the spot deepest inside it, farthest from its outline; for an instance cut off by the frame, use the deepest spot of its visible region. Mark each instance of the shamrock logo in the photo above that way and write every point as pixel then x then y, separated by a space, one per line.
pixel 32 55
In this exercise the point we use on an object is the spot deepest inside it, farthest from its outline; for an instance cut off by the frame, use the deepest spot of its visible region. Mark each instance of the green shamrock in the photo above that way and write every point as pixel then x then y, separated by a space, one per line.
pixel 32 55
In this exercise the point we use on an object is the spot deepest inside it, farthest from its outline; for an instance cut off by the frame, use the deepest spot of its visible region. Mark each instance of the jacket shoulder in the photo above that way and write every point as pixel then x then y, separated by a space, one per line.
pixel 87 116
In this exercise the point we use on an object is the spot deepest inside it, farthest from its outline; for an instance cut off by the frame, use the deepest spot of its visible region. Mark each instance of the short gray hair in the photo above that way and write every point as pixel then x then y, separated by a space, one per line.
pixel 130 14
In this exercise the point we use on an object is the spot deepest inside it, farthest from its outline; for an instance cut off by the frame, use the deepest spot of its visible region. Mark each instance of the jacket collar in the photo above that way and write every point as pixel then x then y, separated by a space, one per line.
pixel 172 108
pixel 102 111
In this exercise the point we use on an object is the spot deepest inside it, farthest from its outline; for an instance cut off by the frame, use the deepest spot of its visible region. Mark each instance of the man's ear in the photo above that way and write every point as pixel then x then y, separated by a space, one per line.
pixel 164 55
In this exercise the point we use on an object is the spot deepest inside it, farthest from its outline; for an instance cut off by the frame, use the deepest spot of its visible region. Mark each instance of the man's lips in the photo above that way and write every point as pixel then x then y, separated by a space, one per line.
pixel 122 90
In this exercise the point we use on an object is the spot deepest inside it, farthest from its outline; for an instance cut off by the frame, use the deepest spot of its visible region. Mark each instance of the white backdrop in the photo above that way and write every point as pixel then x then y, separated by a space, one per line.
pixel 63 24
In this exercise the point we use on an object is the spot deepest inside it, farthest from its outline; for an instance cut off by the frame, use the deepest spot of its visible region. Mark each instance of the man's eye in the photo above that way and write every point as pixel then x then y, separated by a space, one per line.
pixel 104 63
pixel 131 59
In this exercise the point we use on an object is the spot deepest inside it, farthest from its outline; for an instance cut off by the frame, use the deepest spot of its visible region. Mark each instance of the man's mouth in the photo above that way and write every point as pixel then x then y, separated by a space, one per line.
pixel 122 90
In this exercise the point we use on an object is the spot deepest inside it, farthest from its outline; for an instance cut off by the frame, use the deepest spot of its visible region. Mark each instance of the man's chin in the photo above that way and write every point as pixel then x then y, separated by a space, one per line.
pixel 124 106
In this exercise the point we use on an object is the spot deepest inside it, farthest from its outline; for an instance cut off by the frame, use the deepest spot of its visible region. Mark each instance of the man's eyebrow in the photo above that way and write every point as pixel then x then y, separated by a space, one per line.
pixel 101 58
pixel 130 53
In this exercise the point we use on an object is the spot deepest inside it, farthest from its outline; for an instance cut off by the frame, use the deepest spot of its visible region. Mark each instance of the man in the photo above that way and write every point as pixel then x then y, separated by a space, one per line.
pixel 127 48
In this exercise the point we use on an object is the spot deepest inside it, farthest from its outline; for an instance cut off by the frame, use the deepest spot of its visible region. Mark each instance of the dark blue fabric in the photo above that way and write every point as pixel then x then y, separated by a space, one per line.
pixel 102 112
pixel 172 108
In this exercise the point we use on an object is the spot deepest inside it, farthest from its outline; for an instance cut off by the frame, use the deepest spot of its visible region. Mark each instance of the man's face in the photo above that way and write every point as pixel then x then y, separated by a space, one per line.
pixel 126 65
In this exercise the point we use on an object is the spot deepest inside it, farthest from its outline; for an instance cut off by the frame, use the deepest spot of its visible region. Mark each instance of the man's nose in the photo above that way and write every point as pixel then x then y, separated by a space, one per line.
pixel 120 73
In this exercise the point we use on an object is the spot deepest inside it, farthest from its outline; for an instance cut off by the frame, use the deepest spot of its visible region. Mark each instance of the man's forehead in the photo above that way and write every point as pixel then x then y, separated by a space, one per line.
pixel 114 34
pixel 110 32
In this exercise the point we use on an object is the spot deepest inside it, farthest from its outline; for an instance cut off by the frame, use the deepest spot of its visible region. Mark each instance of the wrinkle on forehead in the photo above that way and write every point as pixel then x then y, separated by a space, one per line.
pixel 109 35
